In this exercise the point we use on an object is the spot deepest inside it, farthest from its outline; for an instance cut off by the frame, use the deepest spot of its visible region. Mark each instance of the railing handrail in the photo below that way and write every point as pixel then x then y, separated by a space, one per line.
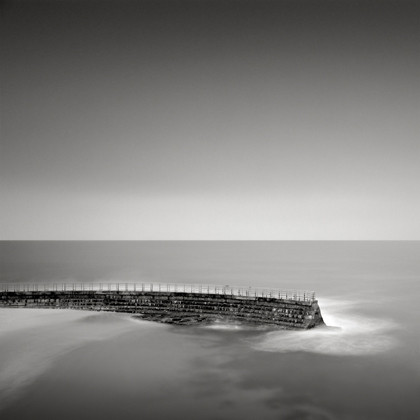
pixel 241 291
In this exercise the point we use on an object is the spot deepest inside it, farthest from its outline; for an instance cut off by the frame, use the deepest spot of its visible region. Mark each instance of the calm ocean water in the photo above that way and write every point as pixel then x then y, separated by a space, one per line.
pixel 84 365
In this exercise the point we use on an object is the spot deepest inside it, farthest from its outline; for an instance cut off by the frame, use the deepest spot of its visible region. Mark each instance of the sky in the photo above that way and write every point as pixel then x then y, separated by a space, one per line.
pixel 210 119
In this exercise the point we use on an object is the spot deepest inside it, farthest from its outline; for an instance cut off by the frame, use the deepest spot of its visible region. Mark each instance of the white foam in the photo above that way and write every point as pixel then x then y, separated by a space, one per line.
pixel 225 326
pixel 354 334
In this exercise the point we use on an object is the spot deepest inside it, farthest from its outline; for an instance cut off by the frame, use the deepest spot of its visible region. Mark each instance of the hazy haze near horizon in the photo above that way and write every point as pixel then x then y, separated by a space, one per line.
pixel 210 120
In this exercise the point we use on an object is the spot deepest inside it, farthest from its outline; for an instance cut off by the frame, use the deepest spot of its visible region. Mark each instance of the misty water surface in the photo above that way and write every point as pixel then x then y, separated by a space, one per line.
pixel 89 365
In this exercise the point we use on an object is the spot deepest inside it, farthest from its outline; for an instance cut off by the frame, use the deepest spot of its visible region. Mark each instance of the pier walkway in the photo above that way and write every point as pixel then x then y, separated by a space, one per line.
pixel 209 289
pixel 182 304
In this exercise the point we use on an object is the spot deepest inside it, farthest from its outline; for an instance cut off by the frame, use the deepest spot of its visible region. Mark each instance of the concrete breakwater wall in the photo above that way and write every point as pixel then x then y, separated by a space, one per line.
pixel 176 307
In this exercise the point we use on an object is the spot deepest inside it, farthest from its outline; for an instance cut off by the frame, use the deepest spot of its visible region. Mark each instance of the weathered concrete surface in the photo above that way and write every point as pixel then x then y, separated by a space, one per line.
pixel 175 308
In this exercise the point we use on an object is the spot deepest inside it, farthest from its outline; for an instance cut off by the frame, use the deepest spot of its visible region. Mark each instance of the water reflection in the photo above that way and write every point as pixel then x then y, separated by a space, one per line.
pixel 33 339
pixel 83 365
pixel 102 366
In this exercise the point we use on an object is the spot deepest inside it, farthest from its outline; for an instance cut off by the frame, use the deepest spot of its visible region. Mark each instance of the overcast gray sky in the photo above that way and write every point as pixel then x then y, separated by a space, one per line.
pixel 210 120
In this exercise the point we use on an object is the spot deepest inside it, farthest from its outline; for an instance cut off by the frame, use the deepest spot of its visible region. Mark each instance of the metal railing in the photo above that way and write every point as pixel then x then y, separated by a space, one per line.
pixel 211 289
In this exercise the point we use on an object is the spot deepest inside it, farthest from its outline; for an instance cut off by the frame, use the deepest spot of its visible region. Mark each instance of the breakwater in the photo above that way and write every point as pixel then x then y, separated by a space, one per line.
pixel 176 304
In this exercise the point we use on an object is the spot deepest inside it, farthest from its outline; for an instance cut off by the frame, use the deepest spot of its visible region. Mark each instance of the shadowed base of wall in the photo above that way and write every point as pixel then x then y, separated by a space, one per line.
pixel 176 308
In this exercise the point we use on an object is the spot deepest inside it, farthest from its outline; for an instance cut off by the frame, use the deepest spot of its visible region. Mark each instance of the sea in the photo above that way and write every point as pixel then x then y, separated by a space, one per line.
pixel 76 365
